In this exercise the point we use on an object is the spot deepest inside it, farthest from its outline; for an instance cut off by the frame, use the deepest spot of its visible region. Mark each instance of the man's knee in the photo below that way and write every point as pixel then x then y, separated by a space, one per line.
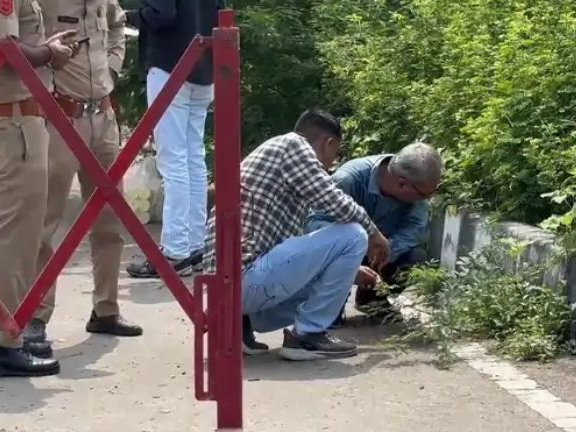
pixel 107 228
pixel 356 236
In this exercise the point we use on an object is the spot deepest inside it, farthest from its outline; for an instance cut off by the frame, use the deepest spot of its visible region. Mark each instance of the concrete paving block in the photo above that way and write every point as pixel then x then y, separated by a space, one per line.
pixel 522 384
pixel 534 396
pixel 566 423
pixel 554 410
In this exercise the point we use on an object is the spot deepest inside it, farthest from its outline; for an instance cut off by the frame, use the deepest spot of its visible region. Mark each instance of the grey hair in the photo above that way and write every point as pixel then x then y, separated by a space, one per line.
pixel 418 163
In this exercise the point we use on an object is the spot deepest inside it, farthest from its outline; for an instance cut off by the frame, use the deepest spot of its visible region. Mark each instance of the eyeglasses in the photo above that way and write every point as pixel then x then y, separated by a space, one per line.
pixel 423 195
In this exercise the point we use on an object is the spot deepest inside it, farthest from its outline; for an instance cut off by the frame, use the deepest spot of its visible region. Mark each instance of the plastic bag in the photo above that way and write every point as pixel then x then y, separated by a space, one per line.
pixel 143 189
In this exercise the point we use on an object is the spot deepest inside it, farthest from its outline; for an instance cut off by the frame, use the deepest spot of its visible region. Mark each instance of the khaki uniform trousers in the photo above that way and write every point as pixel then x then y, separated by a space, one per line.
pixel 23 191
pixel 100 132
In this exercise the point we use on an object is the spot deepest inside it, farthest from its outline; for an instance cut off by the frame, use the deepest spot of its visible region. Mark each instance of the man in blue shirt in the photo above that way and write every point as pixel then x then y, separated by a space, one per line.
pixel 394 190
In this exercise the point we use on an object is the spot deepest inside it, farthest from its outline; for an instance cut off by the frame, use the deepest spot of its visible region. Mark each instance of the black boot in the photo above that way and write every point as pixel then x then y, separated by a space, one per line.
pixel 35 339
pixel 35 330
pixel 15 362
pixel 41 350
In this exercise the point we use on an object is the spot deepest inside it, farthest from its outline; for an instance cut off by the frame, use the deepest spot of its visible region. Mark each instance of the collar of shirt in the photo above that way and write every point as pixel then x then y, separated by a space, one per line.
pixel 373 186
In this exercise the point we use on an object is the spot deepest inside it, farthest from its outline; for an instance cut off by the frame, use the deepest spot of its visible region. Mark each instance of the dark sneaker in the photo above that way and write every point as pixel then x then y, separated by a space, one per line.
pixel 142 268
pixel 113 325
pixel 38 349
pixel 35 331
pixel 250 346
pixel 19 363
pixel 315 346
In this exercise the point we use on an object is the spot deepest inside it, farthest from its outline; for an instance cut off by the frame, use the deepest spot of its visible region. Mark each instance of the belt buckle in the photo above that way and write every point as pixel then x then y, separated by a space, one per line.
pixel 91 108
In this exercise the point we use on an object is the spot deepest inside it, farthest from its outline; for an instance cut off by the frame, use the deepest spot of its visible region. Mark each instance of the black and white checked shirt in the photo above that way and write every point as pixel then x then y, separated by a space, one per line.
pixel 281 181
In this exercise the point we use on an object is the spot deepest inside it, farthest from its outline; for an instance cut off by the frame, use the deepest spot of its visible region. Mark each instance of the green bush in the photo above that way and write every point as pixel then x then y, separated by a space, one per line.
pixel 494 295
pixel 491 83
pixel 281 74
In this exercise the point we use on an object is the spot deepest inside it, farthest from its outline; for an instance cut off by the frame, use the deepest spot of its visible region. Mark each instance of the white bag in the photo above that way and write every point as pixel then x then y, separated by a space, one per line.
pixel 143 189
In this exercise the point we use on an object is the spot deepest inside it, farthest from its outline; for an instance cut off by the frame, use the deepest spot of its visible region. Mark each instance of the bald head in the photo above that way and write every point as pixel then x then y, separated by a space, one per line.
pixel 418 163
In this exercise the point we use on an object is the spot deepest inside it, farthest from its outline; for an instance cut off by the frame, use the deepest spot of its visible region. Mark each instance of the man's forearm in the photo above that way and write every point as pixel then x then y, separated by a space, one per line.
pixel 37 55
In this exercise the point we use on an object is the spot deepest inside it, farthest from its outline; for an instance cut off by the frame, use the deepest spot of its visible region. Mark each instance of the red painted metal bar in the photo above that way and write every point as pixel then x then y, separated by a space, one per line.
pixel 222 319
pixel 205 389
pixel 105 182
pixel 202 393
pixel 226 294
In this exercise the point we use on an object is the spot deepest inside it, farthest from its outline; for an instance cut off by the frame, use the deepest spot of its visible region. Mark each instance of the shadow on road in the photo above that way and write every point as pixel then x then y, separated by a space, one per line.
pixel 370 355
pixel 76 359
pixel 19 395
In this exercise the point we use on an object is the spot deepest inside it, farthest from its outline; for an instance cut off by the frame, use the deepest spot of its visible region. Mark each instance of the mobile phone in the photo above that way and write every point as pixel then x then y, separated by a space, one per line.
pixel 82 41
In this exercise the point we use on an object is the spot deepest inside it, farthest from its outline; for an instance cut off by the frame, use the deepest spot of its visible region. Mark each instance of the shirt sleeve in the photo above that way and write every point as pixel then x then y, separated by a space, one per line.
pixel 410 232
pixel 116 36
pixel 307 179
pixel 9 25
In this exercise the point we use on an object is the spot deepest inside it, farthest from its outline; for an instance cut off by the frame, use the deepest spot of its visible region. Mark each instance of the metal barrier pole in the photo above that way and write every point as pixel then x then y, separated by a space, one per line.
pixel 223 321
pixel 228 319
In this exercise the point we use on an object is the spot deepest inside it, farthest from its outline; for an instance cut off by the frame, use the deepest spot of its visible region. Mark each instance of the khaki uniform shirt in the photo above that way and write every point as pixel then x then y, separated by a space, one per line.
pixel 21 19
pixel 87 76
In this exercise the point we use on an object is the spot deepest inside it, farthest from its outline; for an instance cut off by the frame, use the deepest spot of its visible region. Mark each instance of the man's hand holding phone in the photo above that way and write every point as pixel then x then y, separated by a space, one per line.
pixel 60 49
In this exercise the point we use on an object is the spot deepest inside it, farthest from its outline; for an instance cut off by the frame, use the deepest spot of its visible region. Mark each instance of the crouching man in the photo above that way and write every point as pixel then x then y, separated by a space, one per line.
pixel 292 279
pixel 394 190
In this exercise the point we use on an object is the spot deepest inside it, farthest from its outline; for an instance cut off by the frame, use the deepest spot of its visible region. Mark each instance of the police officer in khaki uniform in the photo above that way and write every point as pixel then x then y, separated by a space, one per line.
pixel 23 172
pixel 83 90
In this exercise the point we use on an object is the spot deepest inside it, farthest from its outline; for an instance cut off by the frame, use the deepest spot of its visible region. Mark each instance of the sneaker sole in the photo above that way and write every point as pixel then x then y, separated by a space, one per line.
pixel 246 350
pixel 6 372
pixel 110 333
pixel 185 272
pixel 297 354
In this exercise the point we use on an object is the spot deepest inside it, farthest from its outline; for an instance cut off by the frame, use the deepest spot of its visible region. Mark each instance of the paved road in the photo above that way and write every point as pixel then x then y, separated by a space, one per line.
pixel 145 385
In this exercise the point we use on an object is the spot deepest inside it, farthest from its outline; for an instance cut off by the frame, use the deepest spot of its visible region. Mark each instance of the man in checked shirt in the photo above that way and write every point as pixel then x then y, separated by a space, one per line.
pixel 292 279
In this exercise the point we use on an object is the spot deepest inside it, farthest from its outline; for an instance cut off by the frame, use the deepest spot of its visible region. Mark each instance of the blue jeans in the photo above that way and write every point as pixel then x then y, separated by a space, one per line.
pixel 179 140
pixel 305 280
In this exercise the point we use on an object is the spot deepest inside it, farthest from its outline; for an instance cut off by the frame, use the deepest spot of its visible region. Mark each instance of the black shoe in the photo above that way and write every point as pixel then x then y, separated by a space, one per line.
pixel 112 325
pixel 315 346
pixel 41 350
pixel 142 268
pixel 250 346
pixel 35 331
pixel 19 363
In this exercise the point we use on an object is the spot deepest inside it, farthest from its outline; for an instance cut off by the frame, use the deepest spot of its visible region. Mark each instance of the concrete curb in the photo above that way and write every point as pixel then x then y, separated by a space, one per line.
pixel 454 235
